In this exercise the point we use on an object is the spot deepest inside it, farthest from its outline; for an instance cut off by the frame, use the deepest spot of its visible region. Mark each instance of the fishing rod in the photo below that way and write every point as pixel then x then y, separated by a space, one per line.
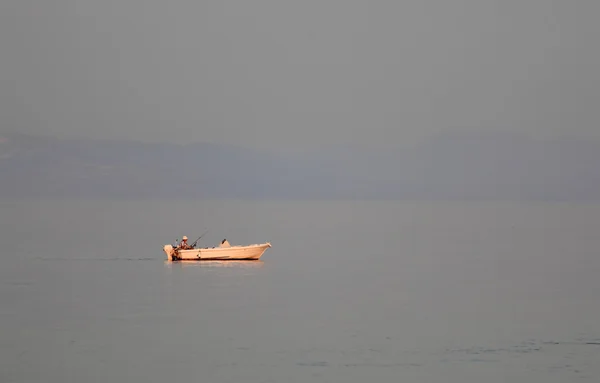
pixel 196 241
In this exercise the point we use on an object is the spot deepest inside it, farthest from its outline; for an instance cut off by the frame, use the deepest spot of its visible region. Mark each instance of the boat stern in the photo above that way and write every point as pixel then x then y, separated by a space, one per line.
pixel 169 251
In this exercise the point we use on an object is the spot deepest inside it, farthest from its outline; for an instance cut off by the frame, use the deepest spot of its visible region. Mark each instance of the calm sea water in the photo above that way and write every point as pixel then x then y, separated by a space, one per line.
pixel 350 292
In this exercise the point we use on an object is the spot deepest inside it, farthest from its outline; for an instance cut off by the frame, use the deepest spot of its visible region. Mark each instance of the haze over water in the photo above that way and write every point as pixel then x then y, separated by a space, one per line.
pixel 352 291
pixel 116 102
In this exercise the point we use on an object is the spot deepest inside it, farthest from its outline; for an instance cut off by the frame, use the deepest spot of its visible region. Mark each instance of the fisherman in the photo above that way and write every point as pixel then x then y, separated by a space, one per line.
pixel 183 244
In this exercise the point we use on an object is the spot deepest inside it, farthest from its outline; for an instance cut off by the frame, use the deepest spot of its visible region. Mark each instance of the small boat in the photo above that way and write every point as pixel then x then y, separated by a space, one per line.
pixel 223 252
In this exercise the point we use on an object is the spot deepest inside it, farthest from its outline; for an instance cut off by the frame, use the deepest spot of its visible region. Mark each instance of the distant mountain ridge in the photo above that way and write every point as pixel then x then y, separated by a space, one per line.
pixel 35 166
pixel 456 166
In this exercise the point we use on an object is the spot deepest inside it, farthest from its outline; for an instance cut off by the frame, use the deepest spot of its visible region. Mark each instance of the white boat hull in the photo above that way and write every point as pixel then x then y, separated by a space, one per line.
pixel 249 252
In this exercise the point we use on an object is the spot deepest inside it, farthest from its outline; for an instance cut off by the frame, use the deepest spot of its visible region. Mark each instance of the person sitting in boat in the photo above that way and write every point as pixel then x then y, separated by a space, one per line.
pixel 183 244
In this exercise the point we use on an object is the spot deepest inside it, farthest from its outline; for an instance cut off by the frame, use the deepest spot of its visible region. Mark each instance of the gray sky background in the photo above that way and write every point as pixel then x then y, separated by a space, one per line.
pixel 296 74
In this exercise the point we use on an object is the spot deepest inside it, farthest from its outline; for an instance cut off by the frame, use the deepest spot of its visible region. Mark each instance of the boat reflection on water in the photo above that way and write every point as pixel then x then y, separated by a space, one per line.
pixel 216 263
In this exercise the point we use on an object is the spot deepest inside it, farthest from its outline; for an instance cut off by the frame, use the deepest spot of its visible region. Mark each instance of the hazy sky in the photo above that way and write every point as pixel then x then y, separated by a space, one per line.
pixel 294 74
